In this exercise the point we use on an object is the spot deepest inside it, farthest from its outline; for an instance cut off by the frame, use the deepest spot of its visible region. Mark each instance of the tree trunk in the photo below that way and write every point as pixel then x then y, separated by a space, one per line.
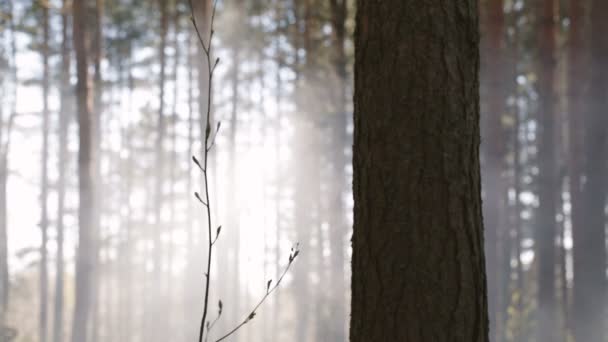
pixel 86 253
pixel 546 232
pixel 65 113
pixel 44 221
pixel 5 139
pixel 577 74
pixel 589 247
pixel 418 258
pixel 158 323
pixel 305 180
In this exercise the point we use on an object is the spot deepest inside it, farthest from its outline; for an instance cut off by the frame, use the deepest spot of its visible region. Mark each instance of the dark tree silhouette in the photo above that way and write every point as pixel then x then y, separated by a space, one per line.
pixel 418 259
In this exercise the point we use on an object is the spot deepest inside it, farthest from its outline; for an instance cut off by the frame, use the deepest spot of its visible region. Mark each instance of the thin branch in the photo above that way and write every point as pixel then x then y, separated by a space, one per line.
pixel 212 324
pixel 269 290
pixel 206 202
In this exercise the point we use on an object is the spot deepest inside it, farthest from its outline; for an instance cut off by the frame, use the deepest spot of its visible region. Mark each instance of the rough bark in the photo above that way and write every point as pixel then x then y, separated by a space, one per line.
pixel 589 248
pixel 546 232
pixel 418 259
pixel 86 253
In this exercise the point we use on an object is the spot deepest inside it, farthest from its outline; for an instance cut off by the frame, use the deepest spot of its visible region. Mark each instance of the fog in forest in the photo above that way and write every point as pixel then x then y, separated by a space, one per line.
pixel 279 169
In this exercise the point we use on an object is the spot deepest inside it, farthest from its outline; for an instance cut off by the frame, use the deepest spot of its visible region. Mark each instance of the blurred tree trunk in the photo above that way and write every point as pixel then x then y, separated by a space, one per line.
pixel 338 184
pixel 190 295
pixel 5 139
pixel 577 76
pixel 87 249
pixel 279 183
pixel 589 246
pixel 493 148
pixel 128 263
pixel 232 203
pixel 418 258
pixel 305 180
pixel 546 232
pixel 65 112
pixel 157 328
pixel 4 267
pixel 173 163
pixel 44 220
pixel 97 55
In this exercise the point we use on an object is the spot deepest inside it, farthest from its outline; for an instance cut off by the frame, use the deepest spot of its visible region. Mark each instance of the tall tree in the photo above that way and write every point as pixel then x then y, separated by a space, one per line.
pixel 577 75
pixel 86 253
pixel 6 125
pixel 589 246
pixel 418 259
pixel 65 112
pixel 157 323
pixel 546 230
pixel 44 180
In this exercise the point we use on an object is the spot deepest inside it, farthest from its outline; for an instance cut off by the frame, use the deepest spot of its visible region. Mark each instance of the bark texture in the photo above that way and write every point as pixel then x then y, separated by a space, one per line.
pixel 418 259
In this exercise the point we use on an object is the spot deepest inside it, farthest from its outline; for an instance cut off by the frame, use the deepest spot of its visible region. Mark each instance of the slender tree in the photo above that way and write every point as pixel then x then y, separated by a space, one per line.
pixel 65 111
pixel 44 180
pixel 418 259
pixel 6 127
pixel 546 231
pixel 160 166
pixel 589 237
pixel 86 252
pixel 577 75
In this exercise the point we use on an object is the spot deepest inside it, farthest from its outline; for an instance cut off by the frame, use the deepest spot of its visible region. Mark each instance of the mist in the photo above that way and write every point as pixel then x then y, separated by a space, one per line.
pixel 277 167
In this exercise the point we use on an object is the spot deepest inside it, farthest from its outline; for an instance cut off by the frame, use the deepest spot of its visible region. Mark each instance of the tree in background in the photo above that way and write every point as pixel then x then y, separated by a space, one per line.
pixel 589 292
pixel 546 231
pixel 87 249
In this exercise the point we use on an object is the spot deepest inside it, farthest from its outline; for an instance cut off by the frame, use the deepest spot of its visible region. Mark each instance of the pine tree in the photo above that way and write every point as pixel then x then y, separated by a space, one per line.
pixel 418 263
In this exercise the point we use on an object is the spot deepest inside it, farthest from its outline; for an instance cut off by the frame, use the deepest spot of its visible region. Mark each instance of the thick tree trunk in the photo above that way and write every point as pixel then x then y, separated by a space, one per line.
pixel 589 247
pixel 546 232
pixel 418 258
pixel 86 253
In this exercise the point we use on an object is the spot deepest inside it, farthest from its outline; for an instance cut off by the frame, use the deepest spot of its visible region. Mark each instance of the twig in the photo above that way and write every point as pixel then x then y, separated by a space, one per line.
pixel 206 202
pixel 269 290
